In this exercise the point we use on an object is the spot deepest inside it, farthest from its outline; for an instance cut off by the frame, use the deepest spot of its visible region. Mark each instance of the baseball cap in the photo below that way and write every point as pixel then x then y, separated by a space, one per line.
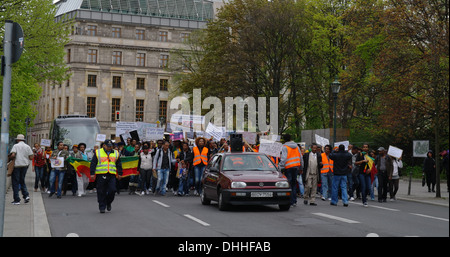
pixel 108 142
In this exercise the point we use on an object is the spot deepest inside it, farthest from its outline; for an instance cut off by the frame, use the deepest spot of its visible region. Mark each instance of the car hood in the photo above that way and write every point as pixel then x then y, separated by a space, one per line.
pixel 254 175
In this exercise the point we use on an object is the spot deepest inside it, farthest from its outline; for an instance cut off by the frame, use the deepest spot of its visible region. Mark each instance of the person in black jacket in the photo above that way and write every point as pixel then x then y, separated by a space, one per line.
pixel 341 167
pixel 429 168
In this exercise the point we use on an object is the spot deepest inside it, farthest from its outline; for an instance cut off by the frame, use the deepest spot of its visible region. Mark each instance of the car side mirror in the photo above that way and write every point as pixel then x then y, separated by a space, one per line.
pixel 213 169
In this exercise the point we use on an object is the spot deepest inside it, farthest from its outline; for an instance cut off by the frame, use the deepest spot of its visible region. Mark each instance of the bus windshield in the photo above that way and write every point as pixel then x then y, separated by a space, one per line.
pixel 75 131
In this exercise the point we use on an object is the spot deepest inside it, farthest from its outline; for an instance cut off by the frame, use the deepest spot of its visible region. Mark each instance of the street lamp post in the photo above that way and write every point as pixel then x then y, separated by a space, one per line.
pixel 335 87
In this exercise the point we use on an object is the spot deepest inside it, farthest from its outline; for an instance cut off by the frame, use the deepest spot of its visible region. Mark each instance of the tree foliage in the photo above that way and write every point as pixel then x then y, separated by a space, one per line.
pixel 42 59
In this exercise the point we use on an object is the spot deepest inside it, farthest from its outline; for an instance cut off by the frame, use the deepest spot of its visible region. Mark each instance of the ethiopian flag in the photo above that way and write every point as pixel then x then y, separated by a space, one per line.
pixel 370 167
pixel 81 166
pixel 129 165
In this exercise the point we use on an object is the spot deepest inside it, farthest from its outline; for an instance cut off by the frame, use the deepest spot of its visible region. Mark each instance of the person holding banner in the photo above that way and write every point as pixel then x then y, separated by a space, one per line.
pixel 82 179
pixel 105 166
pixel 58 157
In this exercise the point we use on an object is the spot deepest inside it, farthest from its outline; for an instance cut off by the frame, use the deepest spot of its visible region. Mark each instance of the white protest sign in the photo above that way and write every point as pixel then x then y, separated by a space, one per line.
pixel 345 143
pixel 125 127
pixel 100 138
pixel 249 137
pixel 271 148
pixel 395 152
pixel 420 148
pixel 46 142
pixel 154 133
pixel 215 132
pixel 321 140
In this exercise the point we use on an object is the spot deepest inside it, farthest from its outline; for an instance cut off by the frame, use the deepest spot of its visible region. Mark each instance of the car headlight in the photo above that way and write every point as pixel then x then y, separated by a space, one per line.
pixel 238 184
pixel 282 184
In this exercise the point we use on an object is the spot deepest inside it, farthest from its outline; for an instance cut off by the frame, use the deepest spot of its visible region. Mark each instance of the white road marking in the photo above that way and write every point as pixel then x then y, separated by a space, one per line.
pixel 375 206
pixel 72 235
pixel 426 216
pixel 335 217
pixel 196 219
pixel 162 204
pixel 372 235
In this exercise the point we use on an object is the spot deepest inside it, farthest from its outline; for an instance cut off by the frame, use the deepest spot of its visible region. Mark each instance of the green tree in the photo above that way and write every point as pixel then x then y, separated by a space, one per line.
pixel 42 59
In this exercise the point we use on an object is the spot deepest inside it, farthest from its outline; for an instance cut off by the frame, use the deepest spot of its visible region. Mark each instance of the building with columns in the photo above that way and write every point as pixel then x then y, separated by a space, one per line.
pixel 118 55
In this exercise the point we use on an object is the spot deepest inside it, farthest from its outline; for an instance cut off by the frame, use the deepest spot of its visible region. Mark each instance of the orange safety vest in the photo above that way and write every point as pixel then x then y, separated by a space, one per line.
pixel 203 157
pixel 327 164
pixel 275 160
pixel 293 158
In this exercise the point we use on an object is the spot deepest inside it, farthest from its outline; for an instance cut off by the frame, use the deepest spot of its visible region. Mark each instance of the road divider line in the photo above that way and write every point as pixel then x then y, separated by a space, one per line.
pixel 335 218
pixel 427 216
pixel 162 204
pixel 196 219
pixel 375 206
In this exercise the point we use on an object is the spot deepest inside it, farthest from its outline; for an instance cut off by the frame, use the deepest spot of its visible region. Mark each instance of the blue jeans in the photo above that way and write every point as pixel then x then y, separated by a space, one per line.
pixel 198 173
pixel 339 181
pixel 291 175
pixel 364 181
pixel 163 177
pixel 326 181
pixel 183 187
pixel 300 184
pixel 18 183
pixel 60 174
pixel 39 176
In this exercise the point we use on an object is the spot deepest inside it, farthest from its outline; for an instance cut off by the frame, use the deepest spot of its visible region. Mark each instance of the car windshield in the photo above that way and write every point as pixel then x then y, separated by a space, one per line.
pixel 248 162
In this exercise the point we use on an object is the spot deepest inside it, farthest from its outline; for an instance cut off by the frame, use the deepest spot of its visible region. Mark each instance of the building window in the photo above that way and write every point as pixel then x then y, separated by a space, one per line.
pixel 115 106
pixel 163 36
pixel 163 111
pixel 140 83
pixel 116 83
pixel 68 56
pixel 184 37
pixel 92 30
pixel 140 59
pixel 117 57
pixel 163 84
pixel 92 56
pixel 140 34
pixel 163 60
pixel 139 110
pixel 116 32
pixel 92 80
pixel 90 111
pixel 66 111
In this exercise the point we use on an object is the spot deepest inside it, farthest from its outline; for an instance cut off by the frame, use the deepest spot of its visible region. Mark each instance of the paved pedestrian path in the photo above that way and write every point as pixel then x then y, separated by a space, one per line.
pixel 30 220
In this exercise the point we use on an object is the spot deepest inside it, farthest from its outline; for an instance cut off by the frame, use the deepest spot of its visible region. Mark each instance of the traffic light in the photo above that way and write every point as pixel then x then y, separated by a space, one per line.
pixel 117 115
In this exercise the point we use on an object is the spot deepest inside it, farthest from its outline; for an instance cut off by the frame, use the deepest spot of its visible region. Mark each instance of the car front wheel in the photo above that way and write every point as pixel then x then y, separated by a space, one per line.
pixel 203 199
pixel 223 206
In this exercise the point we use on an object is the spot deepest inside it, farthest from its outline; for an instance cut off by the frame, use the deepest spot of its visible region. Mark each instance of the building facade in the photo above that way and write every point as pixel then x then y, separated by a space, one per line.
pixel 118 57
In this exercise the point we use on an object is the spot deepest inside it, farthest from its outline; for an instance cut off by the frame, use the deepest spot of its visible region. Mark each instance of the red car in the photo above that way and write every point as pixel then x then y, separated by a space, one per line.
pixel 244 179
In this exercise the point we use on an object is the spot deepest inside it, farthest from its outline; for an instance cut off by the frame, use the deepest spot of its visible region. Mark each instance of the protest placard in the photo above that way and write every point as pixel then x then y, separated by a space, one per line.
pixel 216 132
pixel 321 140
pixel 100 138
pixel 154 133
pixel 345 143
pixel 395 152
pixel 249 137
pixel 270 147
pixel 46 142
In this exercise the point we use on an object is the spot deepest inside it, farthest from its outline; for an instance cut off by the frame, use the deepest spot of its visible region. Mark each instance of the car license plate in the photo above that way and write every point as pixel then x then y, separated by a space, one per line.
pixel 261 194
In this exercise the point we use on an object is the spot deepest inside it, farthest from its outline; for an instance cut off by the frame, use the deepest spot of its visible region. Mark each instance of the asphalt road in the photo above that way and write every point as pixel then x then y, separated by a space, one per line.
pixel 173 216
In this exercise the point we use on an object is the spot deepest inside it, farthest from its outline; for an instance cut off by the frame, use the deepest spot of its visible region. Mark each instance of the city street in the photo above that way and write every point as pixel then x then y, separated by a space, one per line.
pixel 169 215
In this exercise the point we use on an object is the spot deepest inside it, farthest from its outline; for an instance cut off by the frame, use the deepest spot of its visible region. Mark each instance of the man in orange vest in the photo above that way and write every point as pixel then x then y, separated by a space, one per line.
pixel 291 162
pixel 200 161
pixel 326 173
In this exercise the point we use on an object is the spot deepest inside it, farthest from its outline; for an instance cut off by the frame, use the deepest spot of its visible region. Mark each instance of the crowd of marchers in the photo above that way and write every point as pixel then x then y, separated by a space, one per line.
pixel 177 166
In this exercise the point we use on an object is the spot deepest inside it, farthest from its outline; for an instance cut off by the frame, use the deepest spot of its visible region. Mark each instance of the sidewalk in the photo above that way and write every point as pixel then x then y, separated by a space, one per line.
pixel 26 219
pixel 30 220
